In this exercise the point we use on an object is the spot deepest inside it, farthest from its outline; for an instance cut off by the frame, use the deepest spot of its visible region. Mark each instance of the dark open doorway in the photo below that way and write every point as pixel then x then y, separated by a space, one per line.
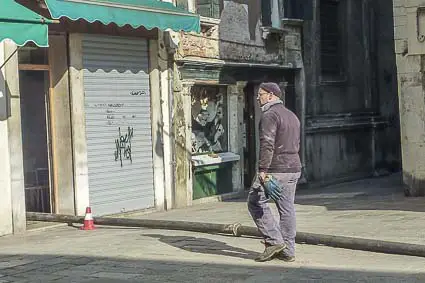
pixel 34 91
pixel 251 121
pixel 250 147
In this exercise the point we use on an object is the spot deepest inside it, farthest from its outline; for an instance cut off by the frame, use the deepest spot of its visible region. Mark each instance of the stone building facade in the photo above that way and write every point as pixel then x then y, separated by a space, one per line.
pixel 335 59
pixel 215 79
pixel 409 26
pixel 352 126
pixel 153 119
pixel 81 112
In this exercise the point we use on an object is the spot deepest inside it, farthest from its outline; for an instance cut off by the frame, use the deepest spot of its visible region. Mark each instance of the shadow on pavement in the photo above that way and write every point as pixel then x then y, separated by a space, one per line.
pixel 384 193
pixel 67 268
pixel 203 245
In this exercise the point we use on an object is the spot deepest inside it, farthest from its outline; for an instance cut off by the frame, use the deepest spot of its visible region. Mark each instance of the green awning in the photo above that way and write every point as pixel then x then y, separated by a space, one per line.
pixel 147 13
pixel 22 25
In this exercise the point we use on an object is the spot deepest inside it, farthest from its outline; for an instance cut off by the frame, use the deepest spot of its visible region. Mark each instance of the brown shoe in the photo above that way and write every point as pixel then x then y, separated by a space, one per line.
pixel 270 251
pixel 285 258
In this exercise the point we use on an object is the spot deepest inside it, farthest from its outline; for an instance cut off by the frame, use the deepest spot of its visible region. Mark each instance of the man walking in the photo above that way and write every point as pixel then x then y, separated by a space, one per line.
pixel 278 173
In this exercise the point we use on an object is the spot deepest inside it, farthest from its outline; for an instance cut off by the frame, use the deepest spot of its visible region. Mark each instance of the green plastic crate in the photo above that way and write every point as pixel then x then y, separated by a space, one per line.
pixel 212 180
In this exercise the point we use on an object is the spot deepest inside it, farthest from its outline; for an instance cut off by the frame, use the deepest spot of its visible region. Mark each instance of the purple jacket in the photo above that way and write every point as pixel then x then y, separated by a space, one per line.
pixel 279 139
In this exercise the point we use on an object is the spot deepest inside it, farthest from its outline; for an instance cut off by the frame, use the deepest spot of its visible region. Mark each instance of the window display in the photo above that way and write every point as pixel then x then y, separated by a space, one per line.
pixel 209 119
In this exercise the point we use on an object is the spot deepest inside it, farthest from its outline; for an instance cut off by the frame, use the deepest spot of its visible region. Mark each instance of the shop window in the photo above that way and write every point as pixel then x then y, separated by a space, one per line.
pixel 209 119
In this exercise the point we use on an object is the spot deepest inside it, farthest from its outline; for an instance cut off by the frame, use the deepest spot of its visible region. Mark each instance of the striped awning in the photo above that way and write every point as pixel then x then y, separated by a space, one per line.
pixel 136 13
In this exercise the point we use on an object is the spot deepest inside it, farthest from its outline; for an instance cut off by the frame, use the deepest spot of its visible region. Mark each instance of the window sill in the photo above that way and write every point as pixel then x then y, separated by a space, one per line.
pixel 209 159
pixel 333 80
pixel 292 22
pixel 209 22
pixel 267 31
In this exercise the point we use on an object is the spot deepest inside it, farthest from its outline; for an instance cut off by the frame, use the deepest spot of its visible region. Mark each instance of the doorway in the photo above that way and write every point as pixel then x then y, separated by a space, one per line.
pixel 252 114
pixel 34 94
pixel 250 146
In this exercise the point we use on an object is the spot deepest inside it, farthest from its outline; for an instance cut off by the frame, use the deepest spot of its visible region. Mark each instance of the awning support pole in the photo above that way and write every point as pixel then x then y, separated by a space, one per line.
pixel 10 57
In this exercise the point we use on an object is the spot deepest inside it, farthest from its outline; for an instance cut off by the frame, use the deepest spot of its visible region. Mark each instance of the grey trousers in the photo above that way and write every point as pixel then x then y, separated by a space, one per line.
pixel 276 232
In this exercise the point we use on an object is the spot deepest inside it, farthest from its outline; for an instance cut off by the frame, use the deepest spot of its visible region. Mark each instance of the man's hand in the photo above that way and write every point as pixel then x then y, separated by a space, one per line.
pixel 271 186
pixel 262 176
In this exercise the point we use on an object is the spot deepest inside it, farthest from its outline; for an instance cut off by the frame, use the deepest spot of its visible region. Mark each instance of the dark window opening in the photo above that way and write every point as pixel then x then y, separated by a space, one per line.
pixel 34 93
pixel 298 9
pixel 266 12
pixel 331 38
pixel 209 8
pixel 182 4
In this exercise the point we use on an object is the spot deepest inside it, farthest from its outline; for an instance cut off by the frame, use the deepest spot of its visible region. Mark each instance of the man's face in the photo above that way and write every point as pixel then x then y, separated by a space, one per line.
pixel 263 96
pixel 203 117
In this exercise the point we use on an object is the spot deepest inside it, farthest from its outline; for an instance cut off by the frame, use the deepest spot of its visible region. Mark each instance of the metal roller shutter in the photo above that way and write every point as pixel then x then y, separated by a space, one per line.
pixel 118 123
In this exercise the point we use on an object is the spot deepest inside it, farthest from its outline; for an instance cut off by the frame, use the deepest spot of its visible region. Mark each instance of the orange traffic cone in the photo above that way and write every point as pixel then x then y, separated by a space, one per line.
pixel 88 220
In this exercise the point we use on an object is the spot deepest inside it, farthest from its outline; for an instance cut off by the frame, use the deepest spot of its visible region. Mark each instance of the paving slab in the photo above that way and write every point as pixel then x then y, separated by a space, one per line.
pixel 372 208
pixel 67 254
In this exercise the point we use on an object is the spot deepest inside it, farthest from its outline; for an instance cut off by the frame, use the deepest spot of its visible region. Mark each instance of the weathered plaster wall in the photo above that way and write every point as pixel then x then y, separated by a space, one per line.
pixel 183 146
pixel 388 152
pixel 78 122
pixel 15 140
pixel 238 37
pixel 232 51
pixel 350 120
pixel 165 72
pixel 410 70
pixel 60 113
pixel 157 130
pixel 236 103
pixel 348 92
pixel 6 225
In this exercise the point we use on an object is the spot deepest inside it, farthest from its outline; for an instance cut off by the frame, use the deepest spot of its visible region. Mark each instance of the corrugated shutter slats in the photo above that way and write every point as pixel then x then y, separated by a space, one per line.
pixel 118 123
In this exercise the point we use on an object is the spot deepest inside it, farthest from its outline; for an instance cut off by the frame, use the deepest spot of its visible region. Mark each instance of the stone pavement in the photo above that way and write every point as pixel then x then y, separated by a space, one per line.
pixel 108 254
pixel 371 208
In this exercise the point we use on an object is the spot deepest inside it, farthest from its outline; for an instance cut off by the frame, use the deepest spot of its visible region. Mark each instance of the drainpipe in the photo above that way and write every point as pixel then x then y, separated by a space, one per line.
pixel 301 90
pixel 170 65
pixel 171 43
